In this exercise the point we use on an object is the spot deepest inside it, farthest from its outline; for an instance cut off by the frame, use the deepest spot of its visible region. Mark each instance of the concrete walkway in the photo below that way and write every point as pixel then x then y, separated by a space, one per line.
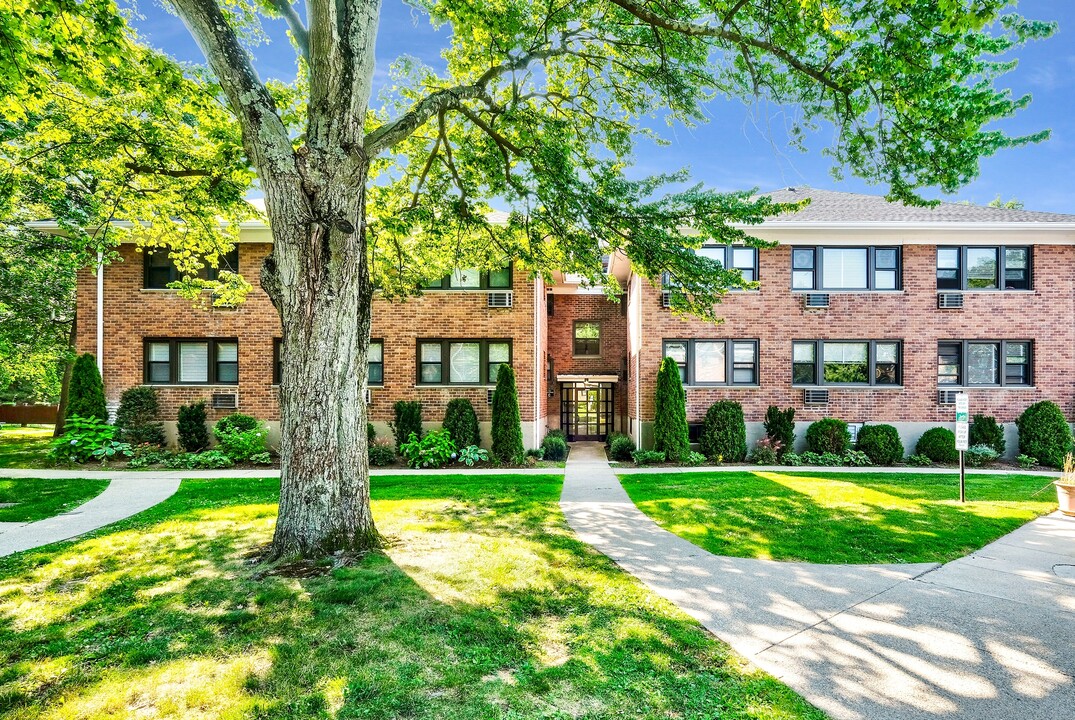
pixel 268 472
pixel 126 495
pixel 991 635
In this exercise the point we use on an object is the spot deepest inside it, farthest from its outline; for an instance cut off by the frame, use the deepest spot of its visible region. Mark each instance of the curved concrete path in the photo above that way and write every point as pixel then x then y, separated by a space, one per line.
pixel 127 494
pixel 991 635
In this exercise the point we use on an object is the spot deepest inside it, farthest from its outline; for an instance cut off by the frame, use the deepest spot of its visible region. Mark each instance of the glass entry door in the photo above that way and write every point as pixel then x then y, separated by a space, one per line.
pixel 586 410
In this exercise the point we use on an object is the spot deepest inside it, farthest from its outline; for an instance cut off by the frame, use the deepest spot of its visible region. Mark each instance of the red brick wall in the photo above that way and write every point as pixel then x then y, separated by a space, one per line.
pixel 776 317
pixel 569 308
pixel 132 314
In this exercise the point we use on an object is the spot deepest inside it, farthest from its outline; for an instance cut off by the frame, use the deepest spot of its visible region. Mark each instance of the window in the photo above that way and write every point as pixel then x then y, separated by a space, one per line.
pixel 715 362
pixel 474 279
pixel 203 361
pixel 374 357
pixel 984 362
pixel 461 362
pixel 159 270
pixel 983 268
pixel 845 268
pixel 587 339
pixel 734 257
pixel 846 362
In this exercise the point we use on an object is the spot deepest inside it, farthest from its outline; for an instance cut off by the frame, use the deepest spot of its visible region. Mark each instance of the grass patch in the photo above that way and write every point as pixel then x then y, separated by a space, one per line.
pixel 484 606
pixel 24 447
pixel 37 498
pixel 838 518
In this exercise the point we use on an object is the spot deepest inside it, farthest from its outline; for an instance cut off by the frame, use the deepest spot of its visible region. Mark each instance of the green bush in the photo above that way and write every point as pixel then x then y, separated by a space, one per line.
pixel 557 432
pixel 828 436
pixel 1026 462
pixel 434 450
pixel 621 448
pixel 507 446
pixel 193 435
pixel 919 461
pixel 648 457
pixel 461 422
pixel 694 459
pixel 857 458
pixel 147 456
pixel 938 444
pixel 240 436
pixel 830 460
pixel 764 452
pixel 554 447
pixel 780 428
pixel 810 458
pixel 408 421
pixel 235 422
pixel 136 419
pixel 86 392
pixel 371 434
pixel 212 460
pixel 472 454
pixel 791 459
pixel 262 458
pixel 724 432
pixel 1044 433
pixel 86 439
pixel 984 430
pixel 670 434
pixel 979 455
pixel 881 443
pixel 382 452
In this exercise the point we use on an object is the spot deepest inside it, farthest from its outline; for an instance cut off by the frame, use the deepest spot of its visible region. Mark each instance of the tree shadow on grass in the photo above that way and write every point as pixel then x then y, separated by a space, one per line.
pixel 484 606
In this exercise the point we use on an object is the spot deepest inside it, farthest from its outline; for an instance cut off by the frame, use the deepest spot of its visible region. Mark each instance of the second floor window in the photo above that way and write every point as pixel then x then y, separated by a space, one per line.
pixel 461 362
pixel 984 362
pixel 845 268
pixel 846 362
pixel 715 362
pixel 983 268
pixel 474 279
pixel 160 270
pixel 587 341
pixel 195 361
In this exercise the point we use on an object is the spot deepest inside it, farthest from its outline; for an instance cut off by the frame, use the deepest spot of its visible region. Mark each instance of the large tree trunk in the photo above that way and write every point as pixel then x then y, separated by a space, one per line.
pixel 318 279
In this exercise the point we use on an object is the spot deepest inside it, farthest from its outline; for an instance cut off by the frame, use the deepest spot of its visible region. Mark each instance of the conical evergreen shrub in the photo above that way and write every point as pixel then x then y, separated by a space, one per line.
pixel 86 397
pixel 461 422
pixel 507 429
pixel 670 434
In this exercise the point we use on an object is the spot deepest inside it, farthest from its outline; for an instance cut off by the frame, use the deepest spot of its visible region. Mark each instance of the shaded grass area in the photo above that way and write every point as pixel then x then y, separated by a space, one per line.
pixel 484 606
pixel 38 498
pixel 839 518
pixel 24 447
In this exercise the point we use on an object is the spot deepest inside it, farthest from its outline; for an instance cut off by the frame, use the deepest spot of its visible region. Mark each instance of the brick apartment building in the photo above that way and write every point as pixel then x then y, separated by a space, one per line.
pixel 868 311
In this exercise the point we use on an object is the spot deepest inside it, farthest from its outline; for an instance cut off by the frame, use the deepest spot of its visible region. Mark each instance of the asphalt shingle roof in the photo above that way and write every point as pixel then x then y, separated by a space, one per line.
pixel 835 206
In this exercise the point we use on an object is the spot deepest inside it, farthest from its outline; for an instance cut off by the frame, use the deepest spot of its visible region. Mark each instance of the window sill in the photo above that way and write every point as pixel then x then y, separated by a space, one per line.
pixel 449 386
pixel 718 386
pixel 586 357
pixel 228 386
pixel 800 291
pixel 850 387
pixel 966 388
pixel 978 291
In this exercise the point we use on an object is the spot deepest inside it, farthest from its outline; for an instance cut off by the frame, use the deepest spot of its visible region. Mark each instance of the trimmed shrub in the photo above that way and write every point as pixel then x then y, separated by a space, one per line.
pixel 724 432
pixel 764 452
pixel 408 421
pixel 371 434
pixel 86 393
pixel 780 427
pixel 648 457
pixel 136 418
pixel 557 432
pixel 919 461
pixel 881 443
pixel 554 447
pixel 193 434
pixel 621 447
pixel 828 436
pixel 1044 433
pixel 857 458
pixel 978 455
pixel 461 422
pixel 938 444
pixel 810 458
pixel 436 449
pixel 670 434
pixel 984 430
pixel 240 436
pixel 235 423
pixel 382 452
pixel 507 432
pixel 791 459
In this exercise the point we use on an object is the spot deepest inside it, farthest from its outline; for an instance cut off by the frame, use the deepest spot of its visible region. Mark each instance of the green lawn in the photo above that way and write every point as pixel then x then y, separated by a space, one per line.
pixel 484 606
pixel 22 447
pixel 36 499
pixel 839 517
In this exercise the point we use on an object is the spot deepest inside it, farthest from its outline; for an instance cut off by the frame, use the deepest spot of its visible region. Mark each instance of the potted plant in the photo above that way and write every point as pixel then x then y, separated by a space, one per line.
pixel 1065 487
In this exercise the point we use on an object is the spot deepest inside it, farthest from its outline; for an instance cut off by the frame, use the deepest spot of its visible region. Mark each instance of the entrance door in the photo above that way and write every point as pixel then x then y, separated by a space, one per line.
pixel 586 410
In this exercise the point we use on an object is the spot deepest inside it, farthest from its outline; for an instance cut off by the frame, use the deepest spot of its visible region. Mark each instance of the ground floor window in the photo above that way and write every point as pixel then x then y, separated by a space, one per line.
pixel 715 362
pixel 461 362
pixel 984 362
pixel 191 361
pixel 846 362
pixel 374 357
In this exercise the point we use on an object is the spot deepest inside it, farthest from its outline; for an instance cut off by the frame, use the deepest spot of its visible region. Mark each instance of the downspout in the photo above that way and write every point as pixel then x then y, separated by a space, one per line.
pixel 538 370
pixel 100 313
pixel 638 366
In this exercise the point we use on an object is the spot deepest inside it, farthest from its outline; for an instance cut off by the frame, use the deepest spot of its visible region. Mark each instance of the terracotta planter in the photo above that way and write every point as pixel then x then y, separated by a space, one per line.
pixel 1065 495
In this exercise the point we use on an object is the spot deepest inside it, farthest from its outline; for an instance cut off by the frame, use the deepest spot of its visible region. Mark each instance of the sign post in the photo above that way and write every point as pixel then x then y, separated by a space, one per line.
pixel 962 440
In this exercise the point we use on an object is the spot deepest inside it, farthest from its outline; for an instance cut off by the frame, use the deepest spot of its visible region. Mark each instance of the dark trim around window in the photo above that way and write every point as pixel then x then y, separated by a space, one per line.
pixel 585 347
pixel 217 372
pixel 884 267
pixel 487 366
pixel 750 273
pixel 956 269
pixel 488 280
pixel 880 372
pixel 742 372
pixel 954 358
pixel 158 269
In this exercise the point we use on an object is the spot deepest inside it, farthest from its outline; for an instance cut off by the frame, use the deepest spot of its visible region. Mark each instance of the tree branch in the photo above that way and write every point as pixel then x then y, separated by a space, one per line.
pixel 298 30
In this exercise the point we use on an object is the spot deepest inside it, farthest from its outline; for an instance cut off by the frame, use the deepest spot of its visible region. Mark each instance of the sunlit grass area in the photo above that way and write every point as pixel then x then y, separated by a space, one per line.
pixel 35 499
pixel 839 518
pixel 484 606
pixel 22 447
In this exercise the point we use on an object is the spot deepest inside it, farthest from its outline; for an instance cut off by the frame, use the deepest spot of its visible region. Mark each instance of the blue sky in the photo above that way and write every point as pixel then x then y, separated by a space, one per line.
pixel 741 146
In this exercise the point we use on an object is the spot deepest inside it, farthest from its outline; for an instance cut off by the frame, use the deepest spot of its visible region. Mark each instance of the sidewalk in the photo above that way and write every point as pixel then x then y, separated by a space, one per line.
pixel 991 635
pixel 253 473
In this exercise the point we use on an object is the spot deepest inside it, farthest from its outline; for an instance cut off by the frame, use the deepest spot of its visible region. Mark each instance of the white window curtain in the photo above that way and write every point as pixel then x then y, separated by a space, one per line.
pixel 194 362
pixel 710 366
pixel 465 362
pixel 844 268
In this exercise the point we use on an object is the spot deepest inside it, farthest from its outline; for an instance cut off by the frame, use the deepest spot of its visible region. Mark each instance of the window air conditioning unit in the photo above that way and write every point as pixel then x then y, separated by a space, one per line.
pixel 666 299
pixel 225 401
pixel 816 300
pixel 950 301
pixel 813 396
pixel 500 299
pixel 947 397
